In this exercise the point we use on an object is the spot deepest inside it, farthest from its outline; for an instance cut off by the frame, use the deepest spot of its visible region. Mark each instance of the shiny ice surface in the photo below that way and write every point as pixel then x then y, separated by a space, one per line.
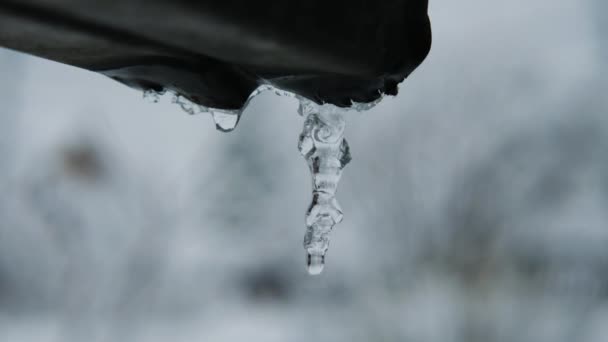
pixel 475 208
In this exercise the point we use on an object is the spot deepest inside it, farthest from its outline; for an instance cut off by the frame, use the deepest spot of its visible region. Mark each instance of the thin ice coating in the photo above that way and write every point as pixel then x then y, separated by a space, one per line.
pixel 152 95
pixel 323 146
pixel 225 120
pixel 187 105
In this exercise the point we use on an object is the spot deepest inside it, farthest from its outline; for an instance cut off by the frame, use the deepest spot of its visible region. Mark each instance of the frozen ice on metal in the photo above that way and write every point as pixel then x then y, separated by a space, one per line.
pixel 187 105
pixel 362 107
pixel 152 95
pixel 225 120
pixel 323 146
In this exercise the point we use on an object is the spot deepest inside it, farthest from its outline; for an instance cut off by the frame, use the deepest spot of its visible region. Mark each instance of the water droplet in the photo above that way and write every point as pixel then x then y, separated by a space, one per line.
pixel 315 263
pixel 225 121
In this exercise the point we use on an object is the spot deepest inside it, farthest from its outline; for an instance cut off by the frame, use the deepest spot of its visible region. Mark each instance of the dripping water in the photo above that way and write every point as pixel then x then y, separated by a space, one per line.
pixel 224 121
pixel 323 146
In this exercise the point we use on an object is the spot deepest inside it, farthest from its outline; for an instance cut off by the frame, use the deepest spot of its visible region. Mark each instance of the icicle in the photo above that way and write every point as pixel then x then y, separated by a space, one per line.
pixel 323 146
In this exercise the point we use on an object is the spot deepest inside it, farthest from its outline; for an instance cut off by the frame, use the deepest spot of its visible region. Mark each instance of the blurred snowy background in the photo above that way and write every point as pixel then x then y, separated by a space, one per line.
pixel 476 205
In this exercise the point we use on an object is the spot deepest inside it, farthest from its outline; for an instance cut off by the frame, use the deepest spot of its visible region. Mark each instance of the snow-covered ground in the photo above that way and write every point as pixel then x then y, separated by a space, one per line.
pixel 475 205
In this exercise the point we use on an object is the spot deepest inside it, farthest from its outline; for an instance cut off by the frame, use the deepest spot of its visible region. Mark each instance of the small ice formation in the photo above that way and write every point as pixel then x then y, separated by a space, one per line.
pixel 225 120
pixel 326 151
pixel 321 143
pixel 152 95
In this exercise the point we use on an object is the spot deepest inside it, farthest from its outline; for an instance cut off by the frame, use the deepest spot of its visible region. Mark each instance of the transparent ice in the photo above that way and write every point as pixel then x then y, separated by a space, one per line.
pixel 152 95
pixel 321 143
pixel 326 151
pixel 187 105
pixel 225 121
